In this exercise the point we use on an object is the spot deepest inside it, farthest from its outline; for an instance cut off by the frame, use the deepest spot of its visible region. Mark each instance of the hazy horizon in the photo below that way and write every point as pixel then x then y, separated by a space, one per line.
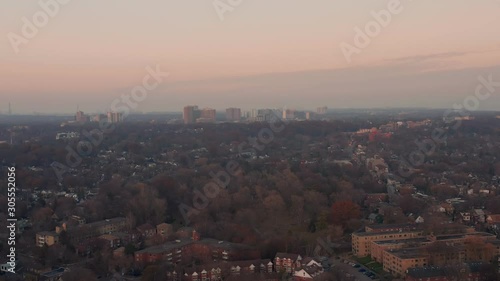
pixel 262 55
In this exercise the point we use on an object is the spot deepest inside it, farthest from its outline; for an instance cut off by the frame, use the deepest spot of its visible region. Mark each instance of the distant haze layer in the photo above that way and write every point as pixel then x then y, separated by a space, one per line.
pixel 256 54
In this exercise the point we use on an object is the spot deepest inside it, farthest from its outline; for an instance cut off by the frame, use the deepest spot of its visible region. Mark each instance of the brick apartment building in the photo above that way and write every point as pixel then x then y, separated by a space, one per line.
pixel 80 232
pixel 403 247
pixel 361 241
pixel 186 250
pixel 397 262
pixel 378 248
pixel 83 232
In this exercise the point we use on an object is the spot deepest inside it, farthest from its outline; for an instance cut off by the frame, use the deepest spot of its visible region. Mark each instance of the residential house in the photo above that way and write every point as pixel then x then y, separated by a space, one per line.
pixel 111 240
pixel 479 216
pixel 309 262
pixel 221 270
pixel 420 219
pixel 465 217
pixel 448 208
pixel 307 273
pixel 147 230
pixel 287 262
pixel 164 229
pixel 48 238
pixel 493 219
pixel 374 218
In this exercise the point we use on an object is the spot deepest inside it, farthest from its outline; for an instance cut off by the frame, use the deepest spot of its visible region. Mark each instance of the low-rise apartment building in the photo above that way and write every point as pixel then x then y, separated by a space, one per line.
pixel 187 249
pixel 378 248
pixel 361 241
pixel 397 262
pixel 81 232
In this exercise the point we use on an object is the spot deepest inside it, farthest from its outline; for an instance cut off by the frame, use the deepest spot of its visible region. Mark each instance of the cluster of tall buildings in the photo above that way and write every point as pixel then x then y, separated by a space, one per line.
pixel 112 117
pixel 322 110
pixel 192 114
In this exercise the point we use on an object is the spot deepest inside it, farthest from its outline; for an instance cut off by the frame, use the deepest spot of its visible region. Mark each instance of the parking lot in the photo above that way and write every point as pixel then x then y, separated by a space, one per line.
pixel 354 270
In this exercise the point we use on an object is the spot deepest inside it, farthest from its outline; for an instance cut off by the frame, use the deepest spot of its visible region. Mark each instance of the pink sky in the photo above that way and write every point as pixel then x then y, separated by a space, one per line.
pixel 91 51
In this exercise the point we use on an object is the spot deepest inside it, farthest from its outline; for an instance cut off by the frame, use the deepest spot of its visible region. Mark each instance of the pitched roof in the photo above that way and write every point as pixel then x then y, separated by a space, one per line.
pixel 146 227
pixel 493 218
pixel 293 257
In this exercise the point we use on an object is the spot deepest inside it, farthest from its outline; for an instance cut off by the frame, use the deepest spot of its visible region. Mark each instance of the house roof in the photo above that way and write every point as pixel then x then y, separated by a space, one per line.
pixel 225 266
pixel 303 273
pixel 145 227
pixel 479 212
pixel 493 218
pixel 163 225
pixel 308 260
pixel 108 237
pixel 313 270
pixel 293 257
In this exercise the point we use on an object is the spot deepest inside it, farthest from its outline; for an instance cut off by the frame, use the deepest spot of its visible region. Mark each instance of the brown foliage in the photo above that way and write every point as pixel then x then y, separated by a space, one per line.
pixel 344 211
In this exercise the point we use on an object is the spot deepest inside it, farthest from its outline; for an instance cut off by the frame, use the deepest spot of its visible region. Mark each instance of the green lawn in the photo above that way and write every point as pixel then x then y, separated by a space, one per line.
pixel 376 267
pixel 364 260
pixel 372 265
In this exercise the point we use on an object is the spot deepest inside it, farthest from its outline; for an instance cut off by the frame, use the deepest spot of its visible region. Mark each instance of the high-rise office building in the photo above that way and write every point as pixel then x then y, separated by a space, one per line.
pixel 207 115
pixel 233 114
pixel 254 113
pixel 81 117
pixel 190 114
pixel 98 117
pixel 322 110
pixel 288 114
pixel 115 117
pixel 308 115
pixel 265 115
